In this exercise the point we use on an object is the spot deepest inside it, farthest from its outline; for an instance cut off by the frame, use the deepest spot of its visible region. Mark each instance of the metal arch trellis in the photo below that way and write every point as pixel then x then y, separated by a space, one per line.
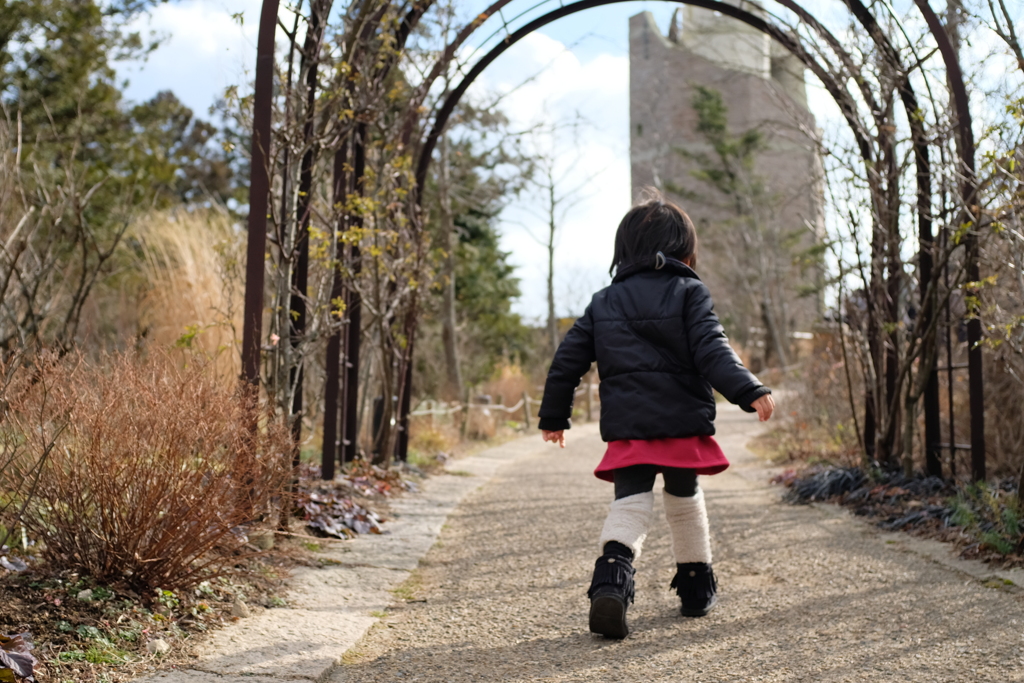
pixel 920 142
pixel 260 172
pixel 925 235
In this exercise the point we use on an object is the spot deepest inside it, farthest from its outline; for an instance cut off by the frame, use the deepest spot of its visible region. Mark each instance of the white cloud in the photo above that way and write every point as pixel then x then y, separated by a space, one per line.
pixel 204 50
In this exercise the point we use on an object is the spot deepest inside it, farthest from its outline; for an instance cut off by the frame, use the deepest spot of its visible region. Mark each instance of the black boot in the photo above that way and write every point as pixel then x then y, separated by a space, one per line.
pixel 611 591
pixel 696 586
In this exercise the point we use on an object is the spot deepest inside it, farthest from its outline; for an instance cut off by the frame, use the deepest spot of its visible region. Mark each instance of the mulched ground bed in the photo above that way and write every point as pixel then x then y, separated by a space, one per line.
pixel 88 633
pixel 103 636
pixel 982 522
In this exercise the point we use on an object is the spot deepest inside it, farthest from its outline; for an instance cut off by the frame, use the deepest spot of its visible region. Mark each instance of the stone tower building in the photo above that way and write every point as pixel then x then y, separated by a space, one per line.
pixel 744 241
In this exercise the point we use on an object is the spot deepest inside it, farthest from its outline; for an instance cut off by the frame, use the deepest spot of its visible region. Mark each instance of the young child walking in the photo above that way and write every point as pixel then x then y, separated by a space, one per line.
pixel 660 350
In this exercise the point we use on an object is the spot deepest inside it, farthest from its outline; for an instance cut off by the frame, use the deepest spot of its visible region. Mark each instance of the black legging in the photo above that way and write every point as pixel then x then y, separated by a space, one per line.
pixel 630 481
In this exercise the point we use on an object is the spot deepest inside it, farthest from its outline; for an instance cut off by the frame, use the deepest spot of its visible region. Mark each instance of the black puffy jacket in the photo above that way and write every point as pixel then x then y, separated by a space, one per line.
pixel 659 349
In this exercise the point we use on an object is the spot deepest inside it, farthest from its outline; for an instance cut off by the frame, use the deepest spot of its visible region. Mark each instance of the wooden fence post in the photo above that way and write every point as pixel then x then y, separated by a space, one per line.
pixel 526 410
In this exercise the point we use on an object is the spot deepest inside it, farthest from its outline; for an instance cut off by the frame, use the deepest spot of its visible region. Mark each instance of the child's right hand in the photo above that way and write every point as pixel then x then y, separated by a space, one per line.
pixel 554 437
pixel 764 406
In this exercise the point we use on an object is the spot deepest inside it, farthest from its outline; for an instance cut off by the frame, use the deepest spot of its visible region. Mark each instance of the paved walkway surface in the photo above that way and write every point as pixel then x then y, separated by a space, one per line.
pixel 807 593
pixel 328 610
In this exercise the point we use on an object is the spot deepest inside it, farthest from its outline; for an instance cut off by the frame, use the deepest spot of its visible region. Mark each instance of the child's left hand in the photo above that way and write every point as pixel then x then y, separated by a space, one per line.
pixel 765 406
pixel 554 437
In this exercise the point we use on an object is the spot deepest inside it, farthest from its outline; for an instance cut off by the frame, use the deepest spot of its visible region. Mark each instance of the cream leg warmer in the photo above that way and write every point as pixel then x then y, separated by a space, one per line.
pixel 628 521
pixel 688 521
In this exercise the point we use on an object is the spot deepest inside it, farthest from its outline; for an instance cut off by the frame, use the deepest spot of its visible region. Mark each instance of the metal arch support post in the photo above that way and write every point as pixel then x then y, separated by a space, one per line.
pixel 969 191
pixel 259 195
pixel 319 10
pixel 332 387
pixel 353 330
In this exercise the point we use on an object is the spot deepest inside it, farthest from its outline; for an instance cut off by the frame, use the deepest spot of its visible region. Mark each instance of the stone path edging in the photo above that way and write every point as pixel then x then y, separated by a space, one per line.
pixel 328 610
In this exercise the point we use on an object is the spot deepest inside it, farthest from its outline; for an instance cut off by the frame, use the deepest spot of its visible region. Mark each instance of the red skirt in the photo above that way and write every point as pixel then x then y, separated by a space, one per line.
pixel 701 453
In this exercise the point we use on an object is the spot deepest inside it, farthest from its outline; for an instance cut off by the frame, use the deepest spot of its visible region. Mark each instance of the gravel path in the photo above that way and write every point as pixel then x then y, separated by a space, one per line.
pixel 806 594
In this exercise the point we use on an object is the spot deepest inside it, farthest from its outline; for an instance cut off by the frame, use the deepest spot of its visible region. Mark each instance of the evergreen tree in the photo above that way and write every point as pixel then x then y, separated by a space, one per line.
pixel 487 331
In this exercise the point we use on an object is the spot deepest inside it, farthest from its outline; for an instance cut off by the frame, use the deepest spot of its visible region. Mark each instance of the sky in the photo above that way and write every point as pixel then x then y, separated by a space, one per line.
pixel 582 68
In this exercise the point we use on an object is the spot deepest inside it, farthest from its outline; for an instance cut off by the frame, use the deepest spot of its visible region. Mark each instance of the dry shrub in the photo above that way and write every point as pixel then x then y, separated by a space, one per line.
pixel 482 422
pixel 430 436
pixel 22 455
pixel 507 386
pixel 814 420
pixel 1004 406
pixel 155 470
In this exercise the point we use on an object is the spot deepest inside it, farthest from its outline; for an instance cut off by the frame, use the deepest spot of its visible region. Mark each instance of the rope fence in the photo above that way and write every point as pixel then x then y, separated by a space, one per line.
pixel 433 408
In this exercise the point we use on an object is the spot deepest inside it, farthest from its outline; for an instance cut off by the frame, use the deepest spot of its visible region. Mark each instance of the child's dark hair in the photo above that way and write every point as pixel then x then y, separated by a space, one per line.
pixel 652 226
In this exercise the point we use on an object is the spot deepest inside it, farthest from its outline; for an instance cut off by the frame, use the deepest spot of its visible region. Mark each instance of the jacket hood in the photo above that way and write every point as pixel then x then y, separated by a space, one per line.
pixel 657 262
